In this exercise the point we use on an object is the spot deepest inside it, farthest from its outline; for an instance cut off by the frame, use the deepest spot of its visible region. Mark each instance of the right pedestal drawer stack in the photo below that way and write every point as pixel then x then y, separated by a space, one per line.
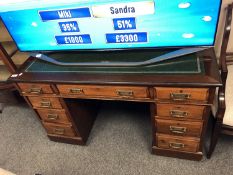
pixel 181 116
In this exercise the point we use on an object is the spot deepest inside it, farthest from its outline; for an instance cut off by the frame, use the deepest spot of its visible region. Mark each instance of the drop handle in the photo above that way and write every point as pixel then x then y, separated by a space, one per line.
pixel 180 96
pixel 76 91
pixel 178 130
pixel 60 131
pixel 176 145
pixel 52 116
pixel 35 91
pixel 178 114
pixel 125 93
pixel 45 104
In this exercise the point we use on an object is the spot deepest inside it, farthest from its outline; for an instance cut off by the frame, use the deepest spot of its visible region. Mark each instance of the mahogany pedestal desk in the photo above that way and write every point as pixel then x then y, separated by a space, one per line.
pixel 179 91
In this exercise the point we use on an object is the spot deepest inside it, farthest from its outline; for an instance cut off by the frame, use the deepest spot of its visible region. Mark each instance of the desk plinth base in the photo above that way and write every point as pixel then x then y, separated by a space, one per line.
pixel 69 140
pixel 182 155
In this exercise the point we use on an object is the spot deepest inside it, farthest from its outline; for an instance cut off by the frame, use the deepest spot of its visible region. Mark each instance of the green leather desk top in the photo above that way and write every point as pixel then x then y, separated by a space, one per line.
pixel 189 64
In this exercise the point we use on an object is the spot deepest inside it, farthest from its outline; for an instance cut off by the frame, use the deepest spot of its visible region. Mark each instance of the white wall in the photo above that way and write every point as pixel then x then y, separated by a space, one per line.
pixel 220 29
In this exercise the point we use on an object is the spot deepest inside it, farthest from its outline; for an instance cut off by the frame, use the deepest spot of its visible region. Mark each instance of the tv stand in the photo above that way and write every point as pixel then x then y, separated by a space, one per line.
pixel 164 57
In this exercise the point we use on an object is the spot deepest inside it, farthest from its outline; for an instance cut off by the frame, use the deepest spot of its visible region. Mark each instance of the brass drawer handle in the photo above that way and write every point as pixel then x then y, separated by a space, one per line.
pixel 176 145
pixel 53 116
pixel 76 91
pixel 124 93
pixel 178 114
pixel 45 104
pixel 178 130
pixel 35 91
pixel 179 96
pixel 60 131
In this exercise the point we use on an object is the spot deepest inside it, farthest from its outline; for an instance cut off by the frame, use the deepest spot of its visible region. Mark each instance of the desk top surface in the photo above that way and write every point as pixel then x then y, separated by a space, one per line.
pixel 202 67
pixel 189 64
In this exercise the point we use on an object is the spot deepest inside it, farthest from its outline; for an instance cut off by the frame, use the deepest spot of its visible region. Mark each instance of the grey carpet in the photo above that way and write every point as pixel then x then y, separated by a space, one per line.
pixel 120 143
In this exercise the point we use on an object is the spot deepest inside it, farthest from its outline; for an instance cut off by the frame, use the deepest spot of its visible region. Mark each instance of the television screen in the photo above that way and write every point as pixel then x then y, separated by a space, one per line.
pixel 48 25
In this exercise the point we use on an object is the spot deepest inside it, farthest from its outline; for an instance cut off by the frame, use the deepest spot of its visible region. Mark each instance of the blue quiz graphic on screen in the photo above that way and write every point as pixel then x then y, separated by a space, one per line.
pixel 137 37
pixel 69 26
pixel 110 24
pixel 124 23
pixel 64 14
pixel 73 39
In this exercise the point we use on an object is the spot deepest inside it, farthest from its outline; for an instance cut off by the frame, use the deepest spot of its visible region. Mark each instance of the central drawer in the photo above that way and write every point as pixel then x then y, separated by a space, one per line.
pixel 104 91
pixel 183 128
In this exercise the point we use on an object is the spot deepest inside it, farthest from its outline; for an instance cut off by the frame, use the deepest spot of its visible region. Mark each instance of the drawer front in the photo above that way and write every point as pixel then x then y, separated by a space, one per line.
pixel 35 89
pixel 182 94
pixel 182 128
pixel 180 112
pixel 55 116
pixel 104 91
pixel 45 102
pixel 177 143
pixel 58 129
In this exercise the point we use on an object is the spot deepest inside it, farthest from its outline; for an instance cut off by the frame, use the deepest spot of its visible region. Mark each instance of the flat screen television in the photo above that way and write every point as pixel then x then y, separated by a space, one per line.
pixel 48 25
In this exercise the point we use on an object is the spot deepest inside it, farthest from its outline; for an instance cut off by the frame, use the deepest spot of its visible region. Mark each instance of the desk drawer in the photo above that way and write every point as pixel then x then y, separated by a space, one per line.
pixel 53 115
pixel 104 91
pixel 180 112
pixel 59 129
pixel 177 143
pixel 182 94
pixel 182 128
pixel 45 102
pixel 35 89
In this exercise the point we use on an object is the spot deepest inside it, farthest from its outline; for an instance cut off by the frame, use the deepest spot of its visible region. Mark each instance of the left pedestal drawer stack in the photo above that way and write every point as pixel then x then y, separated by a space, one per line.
pixel 52 111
